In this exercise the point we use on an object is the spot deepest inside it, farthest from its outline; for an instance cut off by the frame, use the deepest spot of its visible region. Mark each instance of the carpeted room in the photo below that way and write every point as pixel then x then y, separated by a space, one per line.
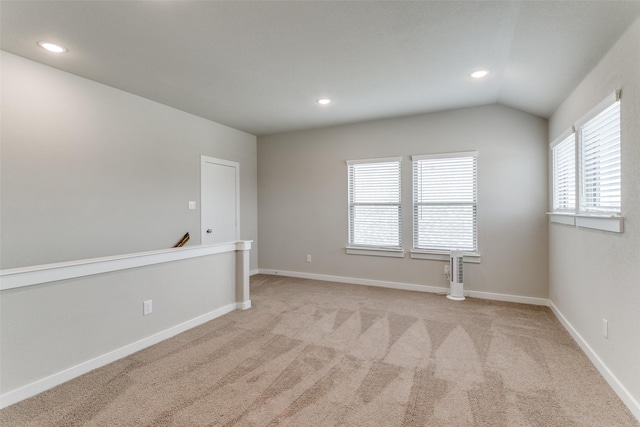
pixel 323 353
pixel 101 160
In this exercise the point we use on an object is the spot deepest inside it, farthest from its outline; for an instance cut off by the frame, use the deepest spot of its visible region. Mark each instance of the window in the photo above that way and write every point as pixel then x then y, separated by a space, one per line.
pixel 563 155
pixel 374 203
pixel 598 181
pixel 444 202
pixel 600 178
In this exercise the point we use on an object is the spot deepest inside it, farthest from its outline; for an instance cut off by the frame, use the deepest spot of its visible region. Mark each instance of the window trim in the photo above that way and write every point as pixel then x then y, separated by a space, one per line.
pixel 471 257
pixel 571 132
pixel 444 155
pixel 377 160
pixel 439 254
pixel 371 251
pixel 611 222
pixel 599 108
pixel 586 177
pixel 385 251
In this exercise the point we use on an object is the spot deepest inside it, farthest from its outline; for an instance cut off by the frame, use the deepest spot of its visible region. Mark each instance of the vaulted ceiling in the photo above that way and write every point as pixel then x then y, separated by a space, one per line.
pixel 261 66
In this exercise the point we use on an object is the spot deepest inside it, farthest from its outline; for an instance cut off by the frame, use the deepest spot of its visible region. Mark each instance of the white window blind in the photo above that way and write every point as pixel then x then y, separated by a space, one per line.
pixel 600 172
pixel 374 203
pixel 564 174
pixel 444 202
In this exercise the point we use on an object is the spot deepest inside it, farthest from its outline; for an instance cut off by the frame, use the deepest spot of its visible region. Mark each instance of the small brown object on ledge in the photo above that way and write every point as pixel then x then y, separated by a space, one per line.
pixel 182 242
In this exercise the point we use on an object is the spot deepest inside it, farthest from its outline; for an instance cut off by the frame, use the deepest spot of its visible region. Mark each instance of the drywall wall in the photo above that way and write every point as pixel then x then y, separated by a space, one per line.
pixel 302 197
pixel 52 327
pixel 91 171
pixel 595 275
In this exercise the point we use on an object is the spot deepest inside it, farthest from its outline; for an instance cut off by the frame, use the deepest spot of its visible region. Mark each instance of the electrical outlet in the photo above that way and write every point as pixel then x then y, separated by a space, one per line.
pixel 605 328
pixel 446 269
pixel 147 307
pixel 192 204
pixel 308 258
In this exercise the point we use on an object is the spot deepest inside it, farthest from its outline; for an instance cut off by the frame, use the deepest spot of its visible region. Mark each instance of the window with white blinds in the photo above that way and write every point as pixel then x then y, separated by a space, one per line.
pixel 564 174
pixel 374 203
pixel 444 202
pixel 600 173
pixel 590 197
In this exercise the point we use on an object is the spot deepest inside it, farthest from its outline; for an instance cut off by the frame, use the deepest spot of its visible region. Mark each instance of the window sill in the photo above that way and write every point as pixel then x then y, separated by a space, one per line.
pixel 611 223
pixel 472 257
pixel 386 252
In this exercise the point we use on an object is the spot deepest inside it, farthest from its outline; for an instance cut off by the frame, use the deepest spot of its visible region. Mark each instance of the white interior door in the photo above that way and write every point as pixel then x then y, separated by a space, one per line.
pixel 219 197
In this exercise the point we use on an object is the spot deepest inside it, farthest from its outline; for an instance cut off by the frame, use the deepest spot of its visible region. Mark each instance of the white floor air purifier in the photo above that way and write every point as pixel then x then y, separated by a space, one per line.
pixel 456 284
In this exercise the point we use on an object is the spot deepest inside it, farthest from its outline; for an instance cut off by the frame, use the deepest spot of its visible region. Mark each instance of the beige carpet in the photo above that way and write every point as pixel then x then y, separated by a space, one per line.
pixel 314 353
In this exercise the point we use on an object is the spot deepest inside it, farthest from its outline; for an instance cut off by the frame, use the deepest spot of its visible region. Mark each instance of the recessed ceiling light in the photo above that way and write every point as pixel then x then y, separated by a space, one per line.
pixel 324 101
pixel 479 74
pixel 52 47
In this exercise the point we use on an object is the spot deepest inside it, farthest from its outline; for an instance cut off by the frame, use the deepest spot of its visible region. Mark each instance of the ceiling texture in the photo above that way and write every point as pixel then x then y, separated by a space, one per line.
pixel 261 66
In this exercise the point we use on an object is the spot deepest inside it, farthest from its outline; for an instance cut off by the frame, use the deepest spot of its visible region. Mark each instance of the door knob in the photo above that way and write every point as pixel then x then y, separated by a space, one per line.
pixel 209 231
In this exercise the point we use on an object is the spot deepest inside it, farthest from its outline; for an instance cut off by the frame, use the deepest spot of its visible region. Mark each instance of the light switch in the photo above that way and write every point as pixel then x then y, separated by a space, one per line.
pixel 192 204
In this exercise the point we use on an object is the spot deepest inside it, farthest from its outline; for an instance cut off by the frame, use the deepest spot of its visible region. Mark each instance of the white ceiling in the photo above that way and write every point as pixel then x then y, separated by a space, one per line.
pixel 260 66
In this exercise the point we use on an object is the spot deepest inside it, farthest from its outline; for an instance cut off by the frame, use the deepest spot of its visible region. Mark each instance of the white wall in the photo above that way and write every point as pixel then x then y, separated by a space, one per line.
pixel 51 330
pixel 595 275
pixel 90 171
pixel 302 197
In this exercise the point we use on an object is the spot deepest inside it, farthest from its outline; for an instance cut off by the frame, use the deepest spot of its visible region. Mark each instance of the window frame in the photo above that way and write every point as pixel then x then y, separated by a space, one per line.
pixel 568 137
pixel 421 252
pixel 585 206
pixel 599 219
pixel 373 249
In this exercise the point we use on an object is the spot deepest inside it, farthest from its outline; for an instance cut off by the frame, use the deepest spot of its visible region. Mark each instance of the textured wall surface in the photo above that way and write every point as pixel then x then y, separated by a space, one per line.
pixel 595 275
pixel 91 171
pixel 302 197
pixel 55 326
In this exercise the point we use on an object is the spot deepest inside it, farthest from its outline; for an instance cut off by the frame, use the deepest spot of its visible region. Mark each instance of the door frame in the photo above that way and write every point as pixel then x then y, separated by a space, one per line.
pixel 213 160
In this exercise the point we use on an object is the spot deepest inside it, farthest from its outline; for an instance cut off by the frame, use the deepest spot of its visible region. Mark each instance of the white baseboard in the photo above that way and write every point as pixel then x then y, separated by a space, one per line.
pixel 356 281
pixel 614 382
pixel 243 305
pixel 254 272
pixel 24 392
pixel 408 286
pixel 508 298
